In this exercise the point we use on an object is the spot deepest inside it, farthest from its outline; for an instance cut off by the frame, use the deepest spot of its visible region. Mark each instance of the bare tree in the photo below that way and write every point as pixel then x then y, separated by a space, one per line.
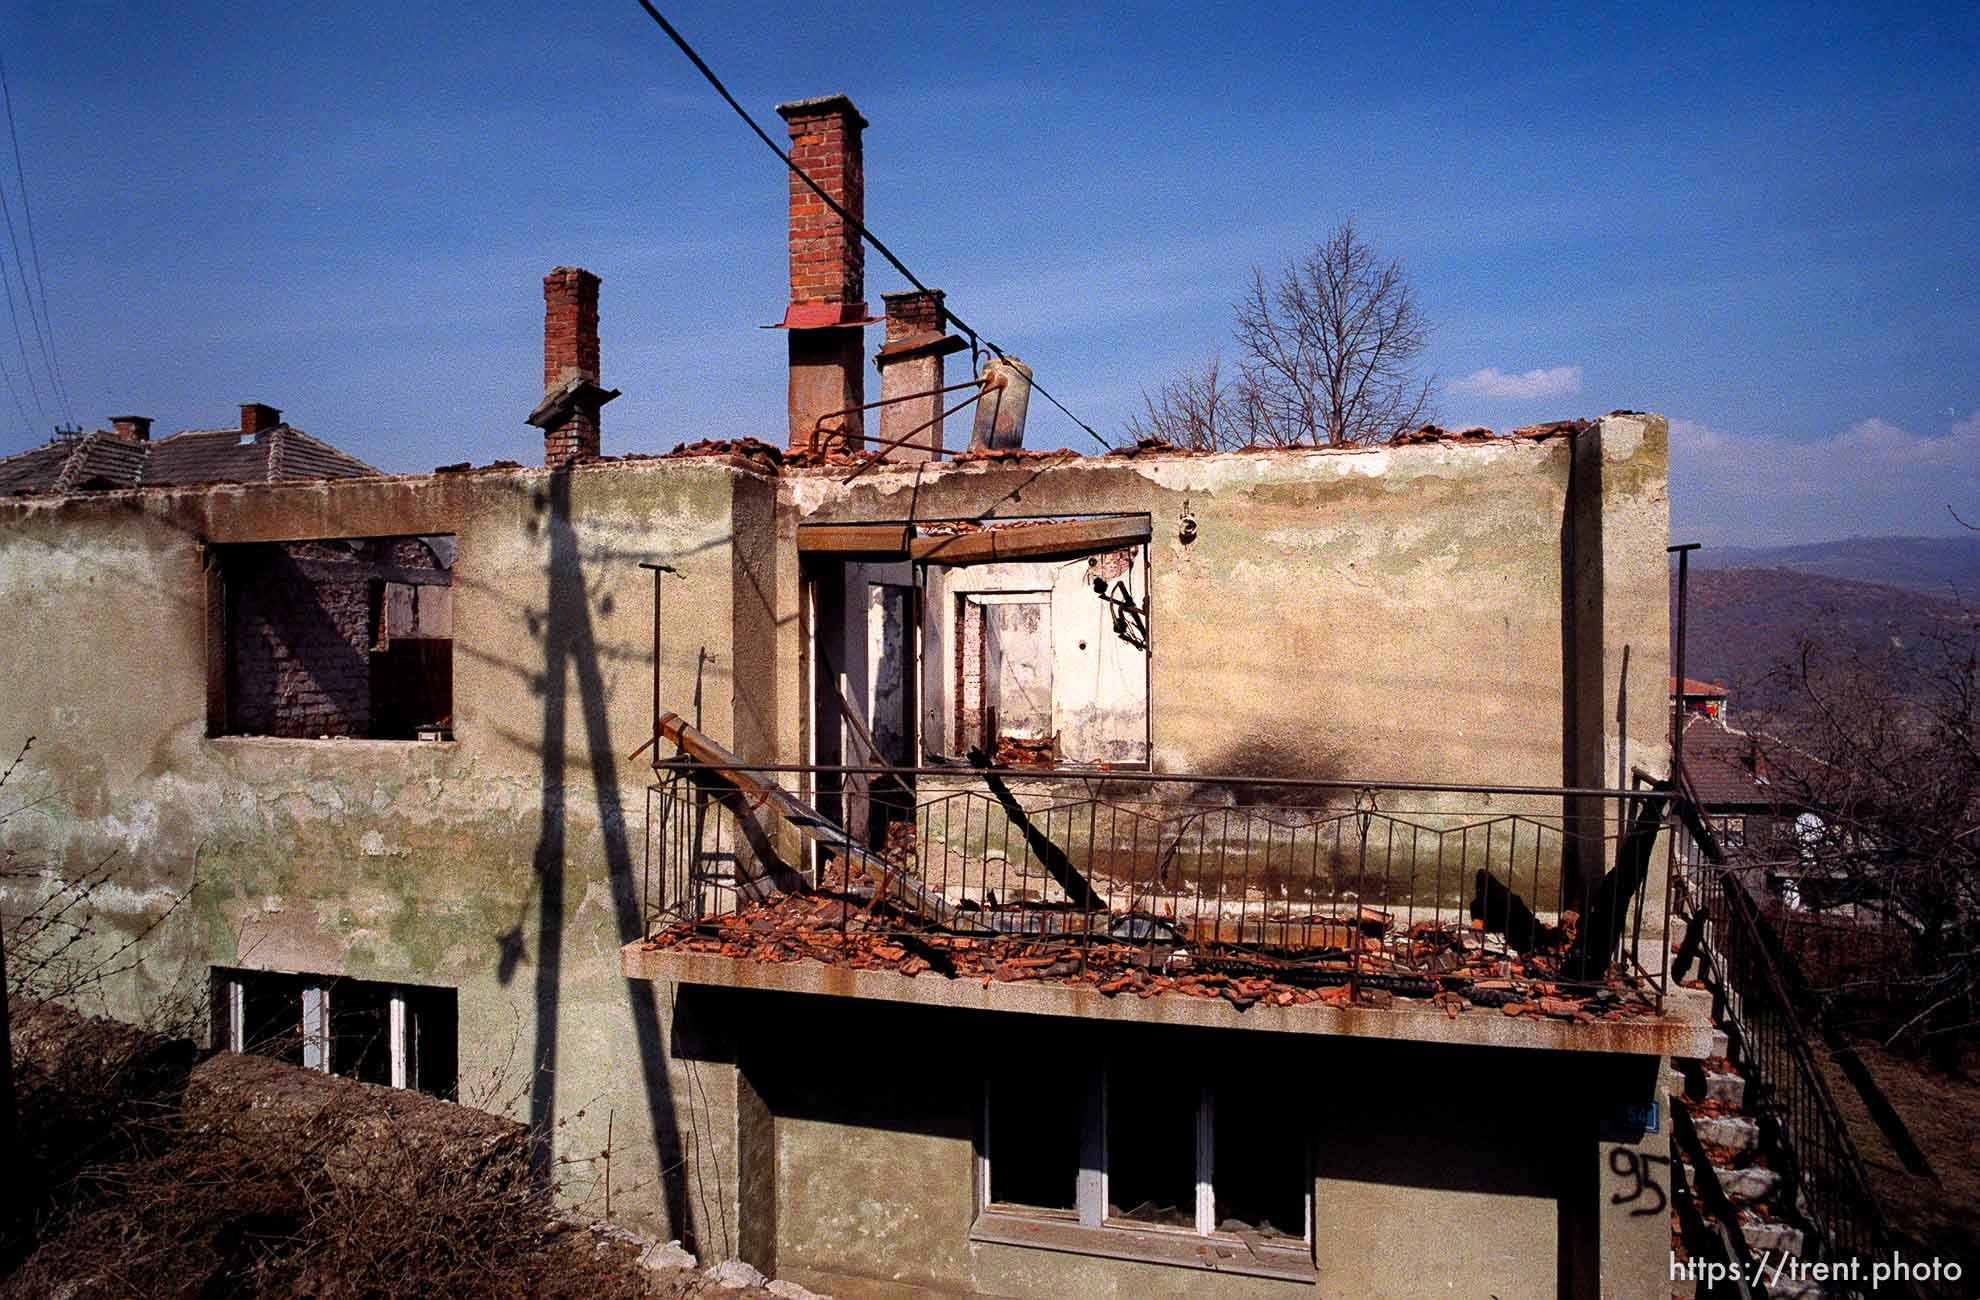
pixel 1327 358
pixel 1204 409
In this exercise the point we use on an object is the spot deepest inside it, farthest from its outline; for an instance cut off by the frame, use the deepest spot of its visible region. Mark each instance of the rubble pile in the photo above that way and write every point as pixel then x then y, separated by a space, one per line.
pixel 1373 964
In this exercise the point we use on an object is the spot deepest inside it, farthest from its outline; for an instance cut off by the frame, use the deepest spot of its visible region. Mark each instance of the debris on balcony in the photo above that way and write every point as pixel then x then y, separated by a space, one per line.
pixel 1455 969
pixel 1280 906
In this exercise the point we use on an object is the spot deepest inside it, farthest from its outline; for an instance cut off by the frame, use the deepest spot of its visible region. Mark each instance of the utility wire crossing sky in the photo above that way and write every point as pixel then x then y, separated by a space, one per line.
pixel 1761 223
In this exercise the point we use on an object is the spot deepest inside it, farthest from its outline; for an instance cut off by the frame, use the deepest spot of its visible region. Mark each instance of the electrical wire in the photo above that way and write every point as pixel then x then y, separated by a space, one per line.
pixel 27 422
pixel 847 217
pixel 38 321
pixel 20 340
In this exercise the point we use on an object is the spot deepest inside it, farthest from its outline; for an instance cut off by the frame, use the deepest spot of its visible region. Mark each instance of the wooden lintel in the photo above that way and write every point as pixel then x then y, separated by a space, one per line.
pixel 1033 541
pixel 854 539
pixel 1046 541
pixel 359 571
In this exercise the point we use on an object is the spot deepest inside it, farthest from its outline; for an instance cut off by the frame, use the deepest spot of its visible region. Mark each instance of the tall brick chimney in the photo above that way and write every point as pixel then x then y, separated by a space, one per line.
pixel 131 428
pixel 258 417
pixel 568 413
pixel 910 363
pixel 828 270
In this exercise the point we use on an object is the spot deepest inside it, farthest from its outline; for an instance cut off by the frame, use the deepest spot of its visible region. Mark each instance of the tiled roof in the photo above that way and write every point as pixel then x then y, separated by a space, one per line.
pixel 101 460
pixel 1721 762
pixel 1692 686
pixel 35 470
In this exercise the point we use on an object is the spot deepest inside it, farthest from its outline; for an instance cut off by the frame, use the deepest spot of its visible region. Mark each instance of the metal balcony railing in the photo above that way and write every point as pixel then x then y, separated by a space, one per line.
pixel 1497 894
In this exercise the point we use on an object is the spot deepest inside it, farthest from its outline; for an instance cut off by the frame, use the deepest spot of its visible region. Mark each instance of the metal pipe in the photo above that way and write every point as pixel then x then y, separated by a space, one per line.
pixel 818 425
pixel 880 452
pixel 1178 778
pixel 1677 709
pixel 658 570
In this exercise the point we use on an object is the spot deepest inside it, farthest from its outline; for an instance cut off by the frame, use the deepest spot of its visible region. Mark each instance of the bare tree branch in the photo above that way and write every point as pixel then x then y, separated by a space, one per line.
pixel 1327 358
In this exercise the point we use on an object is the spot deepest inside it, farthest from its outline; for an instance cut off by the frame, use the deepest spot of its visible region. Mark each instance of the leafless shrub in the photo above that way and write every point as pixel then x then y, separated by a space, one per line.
pixel 251 1177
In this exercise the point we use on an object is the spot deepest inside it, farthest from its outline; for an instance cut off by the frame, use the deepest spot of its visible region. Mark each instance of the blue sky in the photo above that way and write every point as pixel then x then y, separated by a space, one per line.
pixel 1763 223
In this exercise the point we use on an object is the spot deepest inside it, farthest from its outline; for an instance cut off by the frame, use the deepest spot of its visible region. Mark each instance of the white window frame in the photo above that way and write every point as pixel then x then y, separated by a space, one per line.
pixel 1282 1256
pixel 315 1025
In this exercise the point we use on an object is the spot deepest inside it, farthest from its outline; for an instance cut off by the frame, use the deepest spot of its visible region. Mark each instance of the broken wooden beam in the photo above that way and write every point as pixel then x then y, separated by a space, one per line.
pixel 986 545
pixel 892 880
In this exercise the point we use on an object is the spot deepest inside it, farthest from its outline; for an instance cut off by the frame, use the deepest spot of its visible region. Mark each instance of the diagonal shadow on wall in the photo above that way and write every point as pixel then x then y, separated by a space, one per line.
pixel 571 660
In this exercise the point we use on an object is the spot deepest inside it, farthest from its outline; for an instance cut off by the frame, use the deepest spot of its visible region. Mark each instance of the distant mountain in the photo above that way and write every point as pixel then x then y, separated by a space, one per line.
pixel 1744 623
pixel 1938 566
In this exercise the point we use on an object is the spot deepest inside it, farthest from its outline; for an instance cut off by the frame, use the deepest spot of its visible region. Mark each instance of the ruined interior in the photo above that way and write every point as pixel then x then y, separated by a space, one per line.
pixel 344 637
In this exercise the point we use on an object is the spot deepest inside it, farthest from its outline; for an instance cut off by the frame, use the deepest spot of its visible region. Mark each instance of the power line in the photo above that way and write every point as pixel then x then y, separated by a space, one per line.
pixel 27 424
pixel 45 325
pixel 844 215
pixel 19 339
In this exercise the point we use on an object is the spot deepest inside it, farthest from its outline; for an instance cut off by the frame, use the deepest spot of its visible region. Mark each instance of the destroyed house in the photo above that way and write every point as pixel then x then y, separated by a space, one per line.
pixel 909 861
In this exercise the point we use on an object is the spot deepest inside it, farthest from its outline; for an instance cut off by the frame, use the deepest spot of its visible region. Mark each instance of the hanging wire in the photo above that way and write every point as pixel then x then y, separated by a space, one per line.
pixel 44 325
pixel 844 215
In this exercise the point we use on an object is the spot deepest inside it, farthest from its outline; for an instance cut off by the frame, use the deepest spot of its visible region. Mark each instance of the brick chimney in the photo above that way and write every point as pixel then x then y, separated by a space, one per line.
pixel 568 413
pixel 828 270
pixel 258 417
pixel 910 363
pixel 131 428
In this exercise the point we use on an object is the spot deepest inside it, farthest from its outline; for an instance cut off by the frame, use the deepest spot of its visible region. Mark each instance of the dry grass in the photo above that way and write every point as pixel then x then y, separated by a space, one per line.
pixel 143 1174
pixel 1942 1111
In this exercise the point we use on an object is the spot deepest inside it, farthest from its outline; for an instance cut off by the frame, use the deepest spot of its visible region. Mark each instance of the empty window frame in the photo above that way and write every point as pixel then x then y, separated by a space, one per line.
pixel 337 638
pixel 1038 663
pixel 1135 1143
pixel 398 1035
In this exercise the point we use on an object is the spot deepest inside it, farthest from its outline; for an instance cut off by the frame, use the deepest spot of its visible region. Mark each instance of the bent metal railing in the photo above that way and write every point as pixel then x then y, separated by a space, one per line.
pixel 1416 889
pixel 1832 1197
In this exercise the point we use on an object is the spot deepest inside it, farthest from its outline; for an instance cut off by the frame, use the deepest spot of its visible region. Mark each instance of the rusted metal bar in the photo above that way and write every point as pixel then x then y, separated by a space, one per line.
pixel 1189 778
pixel 880 452
pixel 818 425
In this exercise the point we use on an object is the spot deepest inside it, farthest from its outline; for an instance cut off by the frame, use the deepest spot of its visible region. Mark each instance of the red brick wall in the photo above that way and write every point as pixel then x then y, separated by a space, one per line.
pixel 299 649
pixel 828 262
pixel 570 347
pixel 914 311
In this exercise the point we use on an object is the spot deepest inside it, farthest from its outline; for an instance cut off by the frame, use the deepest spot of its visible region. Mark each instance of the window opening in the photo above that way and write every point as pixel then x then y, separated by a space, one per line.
pixel 1034 1148
pixel 1038 663
pixel 399 1035
pixel 1135 1143
pixel 341 637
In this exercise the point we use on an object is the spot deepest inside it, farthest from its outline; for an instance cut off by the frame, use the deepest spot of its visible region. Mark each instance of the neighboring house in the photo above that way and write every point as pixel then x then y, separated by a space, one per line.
pixel 1731 772
pixel 393 753
pixel 261 450
pixel 1728 771
pixel 1707 698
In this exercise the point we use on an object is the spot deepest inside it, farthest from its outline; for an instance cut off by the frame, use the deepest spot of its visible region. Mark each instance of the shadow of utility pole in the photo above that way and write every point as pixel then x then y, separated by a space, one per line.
pixel 570 651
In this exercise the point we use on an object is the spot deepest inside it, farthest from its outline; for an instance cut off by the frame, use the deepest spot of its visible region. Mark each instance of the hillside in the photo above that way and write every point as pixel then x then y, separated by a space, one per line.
pixel 1938 566
pixel 1746 622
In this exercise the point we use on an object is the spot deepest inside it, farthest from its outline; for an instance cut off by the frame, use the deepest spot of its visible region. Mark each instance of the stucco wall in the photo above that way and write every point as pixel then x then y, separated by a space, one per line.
pixel 1395 613
pixel 1400 613
pixel 507 863
pixel 1436 1170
